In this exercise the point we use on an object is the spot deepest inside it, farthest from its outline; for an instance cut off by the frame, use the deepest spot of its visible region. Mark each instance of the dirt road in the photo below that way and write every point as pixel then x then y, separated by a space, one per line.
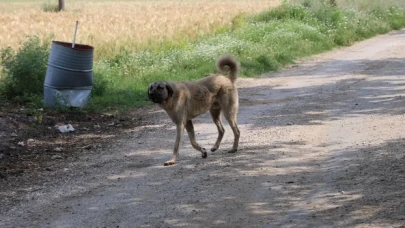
pixel 322 145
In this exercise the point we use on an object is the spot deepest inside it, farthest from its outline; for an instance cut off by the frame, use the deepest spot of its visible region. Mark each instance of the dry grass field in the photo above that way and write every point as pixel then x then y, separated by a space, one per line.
pixel 111 26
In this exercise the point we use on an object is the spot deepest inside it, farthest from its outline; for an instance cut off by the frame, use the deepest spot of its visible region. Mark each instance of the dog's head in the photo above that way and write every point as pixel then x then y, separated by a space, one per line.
pixel 159 92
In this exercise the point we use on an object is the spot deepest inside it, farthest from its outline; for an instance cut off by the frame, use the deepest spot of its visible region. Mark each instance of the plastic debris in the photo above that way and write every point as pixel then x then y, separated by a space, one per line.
pixel 66 128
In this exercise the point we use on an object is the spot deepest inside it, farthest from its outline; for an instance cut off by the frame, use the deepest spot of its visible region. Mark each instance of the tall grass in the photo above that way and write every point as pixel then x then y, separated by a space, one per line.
pixel 115 27
pixel 263 42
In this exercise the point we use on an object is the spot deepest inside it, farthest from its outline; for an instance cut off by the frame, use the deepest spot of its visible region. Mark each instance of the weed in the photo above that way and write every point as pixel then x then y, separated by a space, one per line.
pixel 50 7
pixel 36 113
pixel 100 85
pixel 24 70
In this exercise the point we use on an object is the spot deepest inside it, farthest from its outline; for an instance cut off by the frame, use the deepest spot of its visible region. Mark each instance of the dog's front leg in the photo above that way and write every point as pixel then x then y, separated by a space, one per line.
pixel 191 134
pixel 180 132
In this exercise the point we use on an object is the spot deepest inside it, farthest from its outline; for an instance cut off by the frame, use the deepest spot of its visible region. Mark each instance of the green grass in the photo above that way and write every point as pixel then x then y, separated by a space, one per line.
pixel 50 6
pixel 263 43
pixel 23 71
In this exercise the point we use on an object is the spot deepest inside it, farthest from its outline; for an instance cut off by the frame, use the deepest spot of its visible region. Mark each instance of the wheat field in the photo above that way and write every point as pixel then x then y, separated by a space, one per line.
pixel 111 26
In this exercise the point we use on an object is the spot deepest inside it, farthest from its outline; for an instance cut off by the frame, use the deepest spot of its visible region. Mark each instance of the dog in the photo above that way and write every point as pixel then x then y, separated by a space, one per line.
pixel 184 101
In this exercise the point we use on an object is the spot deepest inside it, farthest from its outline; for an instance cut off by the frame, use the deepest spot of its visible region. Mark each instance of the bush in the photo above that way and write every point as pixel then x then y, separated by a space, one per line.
pixel 50 7
pixel 23 71
pixel 100 85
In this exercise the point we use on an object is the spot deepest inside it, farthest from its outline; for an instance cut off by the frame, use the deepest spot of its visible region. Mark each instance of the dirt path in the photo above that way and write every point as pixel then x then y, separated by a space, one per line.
pixel 322 146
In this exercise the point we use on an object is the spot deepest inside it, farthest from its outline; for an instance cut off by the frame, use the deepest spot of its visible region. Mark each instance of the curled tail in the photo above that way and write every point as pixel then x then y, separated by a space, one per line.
pixel 227 63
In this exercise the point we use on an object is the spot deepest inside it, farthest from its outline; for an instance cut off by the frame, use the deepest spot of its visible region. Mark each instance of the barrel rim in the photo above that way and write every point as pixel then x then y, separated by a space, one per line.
pixel 79 47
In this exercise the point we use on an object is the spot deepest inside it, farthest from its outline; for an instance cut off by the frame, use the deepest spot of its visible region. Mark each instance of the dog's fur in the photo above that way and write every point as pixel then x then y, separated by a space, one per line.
pixel 184 101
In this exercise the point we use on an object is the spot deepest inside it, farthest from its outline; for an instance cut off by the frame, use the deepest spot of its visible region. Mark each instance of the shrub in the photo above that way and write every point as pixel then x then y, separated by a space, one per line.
pixel 100 84
pixel 23 71
pixel 50 7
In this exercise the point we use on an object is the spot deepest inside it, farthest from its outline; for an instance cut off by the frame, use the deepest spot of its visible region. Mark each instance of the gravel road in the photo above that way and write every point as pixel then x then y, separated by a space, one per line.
pixel 322 145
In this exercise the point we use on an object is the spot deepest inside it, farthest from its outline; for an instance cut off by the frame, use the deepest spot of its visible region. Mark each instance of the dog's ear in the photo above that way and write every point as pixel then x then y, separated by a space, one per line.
pixel 169 90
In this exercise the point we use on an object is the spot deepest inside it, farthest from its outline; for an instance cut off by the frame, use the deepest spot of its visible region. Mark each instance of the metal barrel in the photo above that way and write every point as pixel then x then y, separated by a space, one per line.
pixel 69 75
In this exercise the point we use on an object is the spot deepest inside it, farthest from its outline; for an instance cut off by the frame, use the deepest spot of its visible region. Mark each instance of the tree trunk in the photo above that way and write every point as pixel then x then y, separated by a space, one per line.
pixel 61 5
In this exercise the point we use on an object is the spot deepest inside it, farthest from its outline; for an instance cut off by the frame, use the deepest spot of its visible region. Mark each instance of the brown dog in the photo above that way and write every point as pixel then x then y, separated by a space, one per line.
pixel 184 101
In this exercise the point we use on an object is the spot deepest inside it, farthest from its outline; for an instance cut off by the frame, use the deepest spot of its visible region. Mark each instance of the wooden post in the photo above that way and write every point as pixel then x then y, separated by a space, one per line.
pixel 61 5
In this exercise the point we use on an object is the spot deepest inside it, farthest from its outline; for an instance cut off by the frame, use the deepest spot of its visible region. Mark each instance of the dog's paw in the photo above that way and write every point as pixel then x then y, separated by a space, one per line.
pixel 171 162
pixel 204 154
pixel 213 149
pixel 232 151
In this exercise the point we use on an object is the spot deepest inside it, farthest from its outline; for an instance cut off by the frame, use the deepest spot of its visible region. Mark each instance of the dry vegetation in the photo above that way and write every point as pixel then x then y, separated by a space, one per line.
pixel 113 25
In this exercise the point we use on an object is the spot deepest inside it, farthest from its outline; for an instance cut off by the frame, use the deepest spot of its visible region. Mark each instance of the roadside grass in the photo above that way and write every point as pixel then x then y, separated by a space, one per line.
pixel 262 42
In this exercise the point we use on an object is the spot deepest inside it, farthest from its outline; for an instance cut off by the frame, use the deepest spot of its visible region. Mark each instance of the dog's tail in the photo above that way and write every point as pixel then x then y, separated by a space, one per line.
pixel 227 63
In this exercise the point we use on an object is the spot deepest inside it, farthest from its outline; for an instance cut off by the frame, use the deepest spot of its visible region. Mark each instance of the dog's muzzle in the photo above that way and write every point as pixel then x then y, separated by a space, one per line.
pixel 155 98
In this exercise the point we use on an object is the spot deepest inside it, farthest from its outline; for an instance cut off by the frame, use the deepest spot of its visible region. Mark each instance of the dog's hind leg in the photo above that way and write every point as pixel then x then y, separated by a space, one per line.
pixel 216 117
pixel 230 116
pixel 190 131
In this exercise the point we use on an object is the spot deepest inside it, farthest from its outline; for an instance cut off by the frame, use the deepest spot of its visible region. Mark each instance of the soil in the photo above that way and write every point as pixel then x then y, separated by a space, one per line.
pixel 322 145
